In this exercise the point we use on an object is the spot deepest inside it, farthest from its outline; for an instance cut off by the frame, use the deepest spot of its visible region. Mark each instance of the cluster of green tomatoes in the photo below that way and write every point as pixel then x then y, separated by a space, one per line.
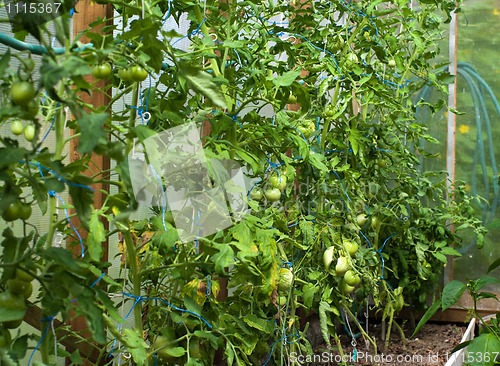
pixel 19 289
pixel 342 269
pixel 23 94
pixel 132 73
pixel 273 190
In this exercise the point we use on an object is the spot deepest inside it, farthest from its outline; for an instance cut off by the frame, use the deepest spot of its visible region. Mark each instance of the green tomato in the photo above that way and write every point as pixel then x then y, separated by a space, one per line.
pixel 101 71
pixel 16 286
pixel 381 163
pixel 292 99
pixel 16 127
pixel 5 337
pixel 125 74
pixel 342 266
pixel 281 300
pixel 350 246
pixel 375 222
pixel 29 132
pixel 9 300
pixel 279 181
pixel 138 73
pixel 25 212
pixel 256 194
pixel 13 211
pixel 273 194
pixel 24 276
pixel 285 279
pixel 328 257
pixel 33 107
pixel 163 345
pixel 351 278
pixel 347 289
pixel 352 59
pixel 361 219
pixel 22 92
pixel 305 131
pixel 28 292
pixel 391 63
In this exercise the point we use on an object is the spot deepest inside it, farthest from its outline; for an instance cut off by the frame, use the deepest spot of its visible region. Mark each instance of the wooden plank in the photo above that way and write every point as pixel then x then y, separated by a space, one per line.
pixel 87 12
pixel 71 343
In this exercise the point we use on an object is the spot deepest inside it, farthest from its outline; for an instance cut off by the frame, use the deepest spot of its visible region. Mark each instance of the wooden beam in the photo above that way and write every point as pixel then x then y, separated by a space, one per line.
pixel 87 12
pixel 71 343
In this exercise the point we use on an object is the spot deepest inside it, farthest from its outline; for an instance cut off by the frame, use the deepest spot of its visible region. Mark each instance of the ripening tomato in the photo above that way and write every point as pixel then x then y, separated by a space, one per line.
pixel 256 194
pixel 342 266
pixel 281 300
pixel 351 246
pixel 25 212
pixel 285 279
pixel 351 278
pixel 24 276
pixel 347 289
pixel 361 219
pixel 328 257
pixel 17 286
pixel 101 71
pixel 17 127
pixel 125 74
pixel 273 194
pixel 13 211
pixel 138 73
pixel 29 133
pixel 279 181
pixel 22 92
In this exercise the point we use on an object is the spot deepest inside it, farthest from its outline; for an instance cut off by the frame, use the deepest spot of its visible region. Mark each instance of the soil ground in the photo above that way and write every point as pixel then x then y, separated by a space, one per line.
pixel 430 347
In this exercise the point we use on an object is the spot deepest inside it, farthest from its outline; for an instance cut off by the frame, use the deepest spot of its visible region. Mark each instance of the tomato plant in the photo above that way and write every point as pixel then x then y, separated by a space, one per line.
pixel 197 295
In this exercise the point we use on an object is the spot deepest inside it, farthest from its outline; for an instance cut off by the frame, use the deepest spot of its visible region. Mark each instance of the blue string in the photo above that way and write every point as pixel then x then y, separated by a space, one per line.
pixel 342 184
pixel 58 176
pixel 49 319
pixel 139 298
pixel 168 13
pixel 196 31
pixel 51 125
pixel 285 338
pixel 208 285
pixel 156 361
pixel 52 193
pixel 383 261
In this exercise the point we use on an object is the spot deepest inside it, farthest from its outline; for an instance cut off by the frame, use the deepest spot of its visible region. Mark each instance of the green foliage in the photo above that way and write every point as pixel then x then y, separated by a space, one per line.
pixel 360 156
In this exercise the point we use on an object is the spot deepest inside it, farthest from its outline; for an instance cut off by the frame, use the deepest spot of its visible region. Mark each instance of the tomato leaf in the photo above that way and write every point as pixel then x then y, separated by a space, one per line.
pixel 323 308
pixel 452 292
pixel 286 79
pixel 92 131
pixel 96 237
pixel 224 258
pixel 201 82
pixel 428 314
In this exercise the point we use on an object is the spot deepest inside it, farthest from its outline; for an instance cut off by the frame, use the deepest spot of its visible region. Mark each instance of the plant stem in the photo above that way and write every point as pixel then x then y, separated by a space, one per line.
pixel 133 114
pixel 136 277
pixel 388 334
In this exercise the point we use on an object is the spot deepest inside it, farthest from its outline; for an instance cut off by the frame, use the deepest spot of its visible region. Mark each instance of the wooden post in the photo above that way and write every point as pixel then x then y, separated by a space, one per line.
pixel 87 12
